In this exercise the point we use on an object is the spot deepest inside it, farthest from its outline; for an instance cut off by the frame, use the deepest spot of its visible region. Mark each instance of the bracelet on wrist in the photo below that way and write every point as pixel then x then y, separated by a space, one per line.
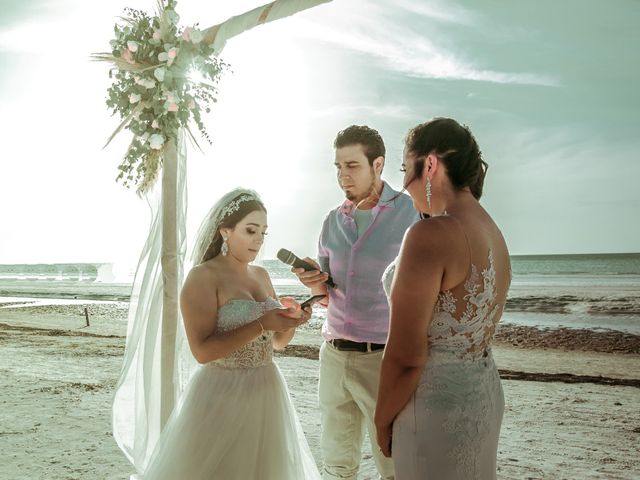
pixel 261 329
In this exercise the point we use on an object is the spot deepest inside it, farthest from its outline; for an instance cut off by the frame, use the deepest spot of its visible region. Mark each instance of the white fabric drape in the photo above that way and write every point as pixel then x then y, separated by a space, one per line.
pixel 157 361
pixel 148 383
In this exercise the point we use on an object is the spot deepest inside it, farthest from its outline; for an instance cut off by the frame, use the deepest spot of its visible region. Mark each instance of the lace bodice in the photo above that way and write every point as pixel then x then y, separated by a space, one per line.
pixel 464 318
pixel 238 312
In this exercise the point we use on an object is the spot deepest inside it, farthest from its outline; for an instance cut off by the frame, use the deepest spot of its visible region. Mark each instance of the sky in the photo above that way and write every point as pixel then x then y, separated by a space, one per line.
pixel 550 90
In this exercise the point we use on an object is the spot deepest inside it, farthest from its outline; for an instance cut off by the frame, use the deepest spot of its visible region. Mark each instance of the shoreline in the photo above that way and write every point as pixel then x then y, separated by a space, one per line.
pixel 547 299
pixel 527 353
pixel 110 318
pixel 311 352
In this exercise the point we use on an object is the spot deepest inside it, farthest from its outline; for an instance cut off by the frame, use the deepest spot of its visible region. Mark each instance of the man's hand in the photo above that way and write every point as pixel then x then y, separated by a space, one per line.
pixel 313 279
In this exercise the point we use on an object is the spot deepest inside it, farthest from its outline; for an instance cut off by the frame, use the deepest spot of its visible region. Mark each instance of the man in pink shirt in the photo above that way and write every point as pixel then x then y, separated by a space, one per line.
pixel 359 239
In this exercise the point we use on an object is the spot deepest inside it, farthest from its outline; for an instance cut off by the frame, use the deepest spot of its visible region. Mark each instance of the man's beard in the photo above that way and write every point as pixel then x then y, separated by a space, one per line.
pixel 357 199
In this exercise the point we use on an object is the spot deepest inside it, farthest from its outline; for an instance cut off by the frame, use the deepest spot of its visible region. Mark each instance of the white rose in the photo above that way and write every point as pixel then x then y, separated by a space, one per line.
pixel 132 46
pixel 163 57
pixel 159 73
pixel 134 98
pixel 148 83
pixel 156 141
pixel 196 36
pixel 145 82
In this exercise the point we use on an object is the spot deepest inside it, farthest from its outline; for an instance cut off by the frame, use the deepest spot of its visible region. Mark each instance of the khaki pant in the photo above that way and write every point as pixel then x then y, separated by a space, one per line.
pixel 347 392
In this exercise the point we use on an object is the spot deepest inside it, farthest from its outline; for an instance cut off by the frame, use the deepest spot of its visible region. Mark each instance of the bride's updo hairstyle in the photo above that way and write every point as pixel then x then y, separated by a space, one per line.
pixel 455 147
pixel 240 207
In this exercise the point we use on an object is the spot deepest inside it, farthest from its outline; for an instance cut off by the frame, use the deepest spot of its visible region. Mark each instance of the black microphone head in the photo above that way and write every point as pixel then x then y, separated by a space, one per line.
pixel 286 256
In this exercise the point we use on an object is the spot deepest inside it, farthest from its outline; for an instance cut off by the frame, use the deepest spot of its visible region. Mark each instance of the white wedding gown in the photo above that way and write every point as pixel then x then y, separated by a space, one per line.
pixel 450 427
pixel 235 419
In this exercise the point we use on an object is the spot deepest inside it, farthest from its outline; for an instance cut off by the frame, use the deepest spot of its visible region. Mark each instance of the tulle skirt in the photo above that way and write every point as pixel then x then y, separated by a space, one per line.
pixel 233 424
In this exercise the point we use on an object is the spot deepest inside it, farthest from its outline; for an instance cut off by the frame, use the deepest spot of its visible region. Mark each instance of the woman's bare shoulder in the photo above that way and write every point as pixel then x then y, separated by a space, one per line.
pixel 257 269
pixel 434 232
pixel 265 278
pixel 203 277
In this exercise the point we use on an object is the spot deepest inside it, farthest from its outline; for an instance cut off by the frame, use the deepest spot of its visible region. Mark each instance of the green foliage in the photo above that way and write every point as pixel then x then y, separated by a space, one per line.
pixel 153 91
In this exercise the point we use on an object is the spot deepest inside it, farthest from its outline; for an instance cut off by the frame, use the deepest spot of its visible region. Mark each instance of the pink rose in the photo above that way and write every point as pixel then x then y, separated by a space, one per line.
pixel 186 34
pixel 171 55
pixel 173 107
pixel 128 56
pixel 156 35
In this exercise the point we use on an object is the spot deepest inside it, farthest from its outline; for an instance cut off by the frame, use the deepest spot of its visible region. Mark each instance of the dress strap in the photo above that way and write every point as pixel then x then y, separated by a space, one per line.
pixel 466 238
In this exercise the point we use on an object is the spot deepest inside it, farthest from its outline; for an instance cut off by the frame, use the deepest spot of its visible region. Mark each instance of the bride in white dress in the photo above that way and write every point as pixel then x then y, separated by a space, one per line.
pixel 235 419
pixel 440 402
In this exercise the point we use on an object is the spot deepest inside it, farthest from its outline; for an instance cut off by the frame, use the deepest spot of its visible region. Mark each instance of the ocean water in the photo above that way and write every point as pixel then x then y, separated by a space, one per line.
pixel 581 291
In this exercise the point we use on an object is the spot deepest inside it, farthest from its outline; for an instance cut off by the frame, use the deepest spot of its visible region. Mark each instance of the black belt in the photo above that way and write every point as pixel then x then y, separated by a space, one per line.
pixel 349 346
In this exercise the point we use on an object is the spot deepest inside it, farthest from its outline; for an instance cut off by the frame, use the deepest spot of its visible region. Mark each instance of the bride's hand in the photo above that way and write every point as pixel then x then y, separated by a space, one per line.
pixel 281 319
pixel 296 311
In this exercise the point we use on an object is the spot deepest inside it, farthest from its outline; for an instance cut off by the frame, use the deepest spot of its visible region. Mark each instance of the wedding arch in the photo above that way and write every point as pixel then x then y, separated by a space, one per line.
pixel 159 97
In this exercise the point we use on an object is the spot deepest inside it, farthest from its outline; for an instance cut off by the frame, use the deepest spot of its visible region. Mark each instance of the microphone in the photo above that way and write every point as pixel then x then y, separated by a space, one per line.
pixel 290 259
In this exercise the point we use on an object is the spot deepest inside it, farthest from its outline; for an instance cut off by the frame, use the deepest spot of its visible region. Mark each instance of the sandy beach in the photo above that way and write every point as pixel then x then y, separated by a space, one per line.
pixel 572 396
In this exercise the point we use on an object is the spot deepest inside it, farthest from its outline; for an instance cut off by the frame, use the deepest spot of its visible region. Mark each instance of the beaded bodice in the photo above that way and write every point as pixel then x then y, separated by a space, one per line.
pixel 238 312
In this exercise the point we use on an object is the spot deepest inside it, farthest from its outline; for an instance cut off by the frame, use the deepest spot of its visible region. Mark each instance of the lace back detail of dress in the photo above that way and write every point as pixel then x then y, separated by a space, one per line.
pixel 465 317
pixel 465 326
pixel 236 313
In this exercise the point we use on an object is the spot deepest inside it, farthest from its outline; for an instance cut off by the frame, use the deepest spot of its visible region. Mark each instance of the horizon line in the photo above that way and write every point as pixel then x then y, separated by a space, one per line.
pixel 263 259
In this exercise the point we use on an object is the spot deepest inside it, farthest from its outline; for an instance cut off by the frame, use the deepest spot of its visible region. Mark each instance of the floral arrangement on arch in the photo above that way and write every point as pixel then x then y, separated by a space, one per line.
pixel 152 90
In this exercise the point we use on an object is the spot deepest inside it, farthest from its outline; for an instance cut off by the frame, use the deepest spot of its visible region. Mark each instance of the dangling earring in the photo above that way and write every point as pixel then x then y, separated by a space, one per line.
pixel 224 249
pixel 429 192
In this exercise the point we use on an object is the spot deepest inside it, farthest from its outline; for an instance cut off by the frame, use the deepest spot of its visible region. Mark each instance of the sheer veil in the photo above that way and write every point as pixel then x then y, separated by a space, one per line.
pixel 136 411
pixel 211 222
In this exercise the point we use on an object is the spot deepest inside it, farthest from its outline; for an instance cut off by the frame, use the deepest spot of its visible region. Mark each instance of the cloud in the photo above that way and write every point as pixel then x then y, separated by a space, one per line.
pixel 446 13
pixel 386 34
